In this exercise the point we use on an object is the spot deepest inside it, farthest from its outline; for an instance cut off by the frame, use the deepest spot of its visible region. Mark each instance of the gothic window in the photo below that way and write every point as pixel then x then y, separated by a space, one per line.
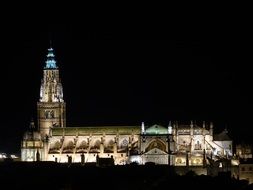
pixel 97 144
pixel 70 145
pixel 57 145
pixel 208 147
pixel 124 143
pixel 156 144
pixel 83 145
pixel 109 146
pixel 46 114
pixel 52 113
pixel 49 114
pixel 111 143
pixel 197 146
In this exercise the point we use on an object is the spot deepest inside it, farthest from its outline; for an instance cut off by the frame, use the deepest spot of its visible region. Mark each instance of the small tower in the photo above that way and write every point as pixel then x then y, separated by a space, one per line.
pixel 191 128
pixel 51 106
pixel 203 128
pixel 143 128
pixel 170 128
pixel 174 130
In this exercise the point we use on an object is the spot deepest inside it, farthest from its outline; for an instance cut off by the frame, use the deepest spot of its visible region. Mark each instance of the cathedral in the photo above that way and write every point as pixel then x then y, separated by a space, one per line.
pixel 176 144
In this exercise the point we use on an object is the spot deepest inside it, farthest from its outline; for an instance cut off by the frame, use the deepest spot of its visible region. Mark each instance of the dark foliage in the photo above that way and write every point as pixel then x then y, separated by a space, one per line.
pixel 49 175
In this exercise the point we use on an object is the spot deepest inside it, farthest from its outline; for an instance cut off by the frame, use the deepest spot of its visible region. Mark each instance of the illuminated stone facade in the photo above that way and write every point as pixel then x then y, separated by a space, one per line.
pixel 177 144
pixel 51 106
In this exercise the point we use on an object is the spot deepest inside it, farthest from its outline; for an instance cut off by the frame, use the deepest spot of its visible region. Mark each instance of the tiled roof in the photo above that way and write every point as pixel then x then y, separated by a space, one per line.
pixel 98 130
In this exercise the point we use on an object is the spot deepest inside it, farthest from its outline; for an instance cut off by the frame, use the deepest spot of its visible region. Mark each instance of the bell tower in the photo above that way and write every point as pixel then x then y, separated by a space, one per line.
pixel 51 106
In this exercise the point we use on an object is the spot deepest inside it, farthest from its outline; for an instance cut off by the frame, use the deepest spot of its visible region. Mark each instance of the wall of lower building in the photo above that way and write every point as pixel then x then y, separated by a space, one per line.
pixel 119 158
pixel 157 159
pixel 199 170
pixel 246 172
pixel 29 154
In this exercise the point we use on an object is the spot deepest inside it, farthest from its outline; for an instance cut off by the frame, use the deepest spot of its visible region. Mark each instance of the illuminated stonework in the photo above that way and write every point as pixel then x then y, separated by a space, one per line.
pixel 177 144
pixel 51 106
pixel 50 62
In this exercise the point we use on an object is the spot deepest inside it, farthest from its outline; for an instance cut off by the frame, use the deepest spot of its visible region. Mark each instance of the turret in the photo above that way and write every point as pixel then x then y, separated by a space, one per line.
pixel 143 128
pixel 191 128
pixel 170 128
pixel 203 127
pixel 174 129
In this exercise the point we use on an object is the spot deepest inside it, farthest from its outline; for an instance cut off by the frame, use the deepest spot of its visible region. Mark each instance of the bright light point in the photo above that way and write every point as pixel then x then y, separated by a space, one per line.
pixel 13 156
pixel 170 130
pixel 3 155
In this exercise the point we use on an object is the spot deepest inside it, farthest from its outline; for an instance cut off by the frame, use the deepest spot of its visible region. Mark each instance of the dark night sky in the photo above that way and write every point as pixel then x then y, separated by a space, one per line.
pixel 126 74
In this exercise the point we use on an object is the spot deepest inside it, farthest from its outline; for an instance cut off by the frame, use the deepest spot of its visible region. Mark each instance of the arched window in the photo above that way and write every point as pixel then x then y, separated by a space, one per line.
pixel 124 143
pixel 69 147
pixel 49 114
pixel 197 146
pixel 109 146
pixel 156 144
pixel 56 146
pixel 110 143
pixel 97 144
pixel 83 145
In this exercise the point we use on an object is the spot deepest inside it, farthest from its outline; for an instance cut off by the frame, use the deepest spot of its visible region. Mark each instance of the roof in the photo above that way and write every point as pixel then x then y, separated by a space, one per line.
pixel 156 130
pixel 223 136
pixel 98 130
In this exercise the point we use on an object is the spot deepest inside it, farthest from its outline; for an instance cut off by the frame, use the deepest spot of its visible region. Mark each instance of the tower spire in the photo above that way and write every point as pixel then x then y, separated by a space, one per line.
pixel 50 62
